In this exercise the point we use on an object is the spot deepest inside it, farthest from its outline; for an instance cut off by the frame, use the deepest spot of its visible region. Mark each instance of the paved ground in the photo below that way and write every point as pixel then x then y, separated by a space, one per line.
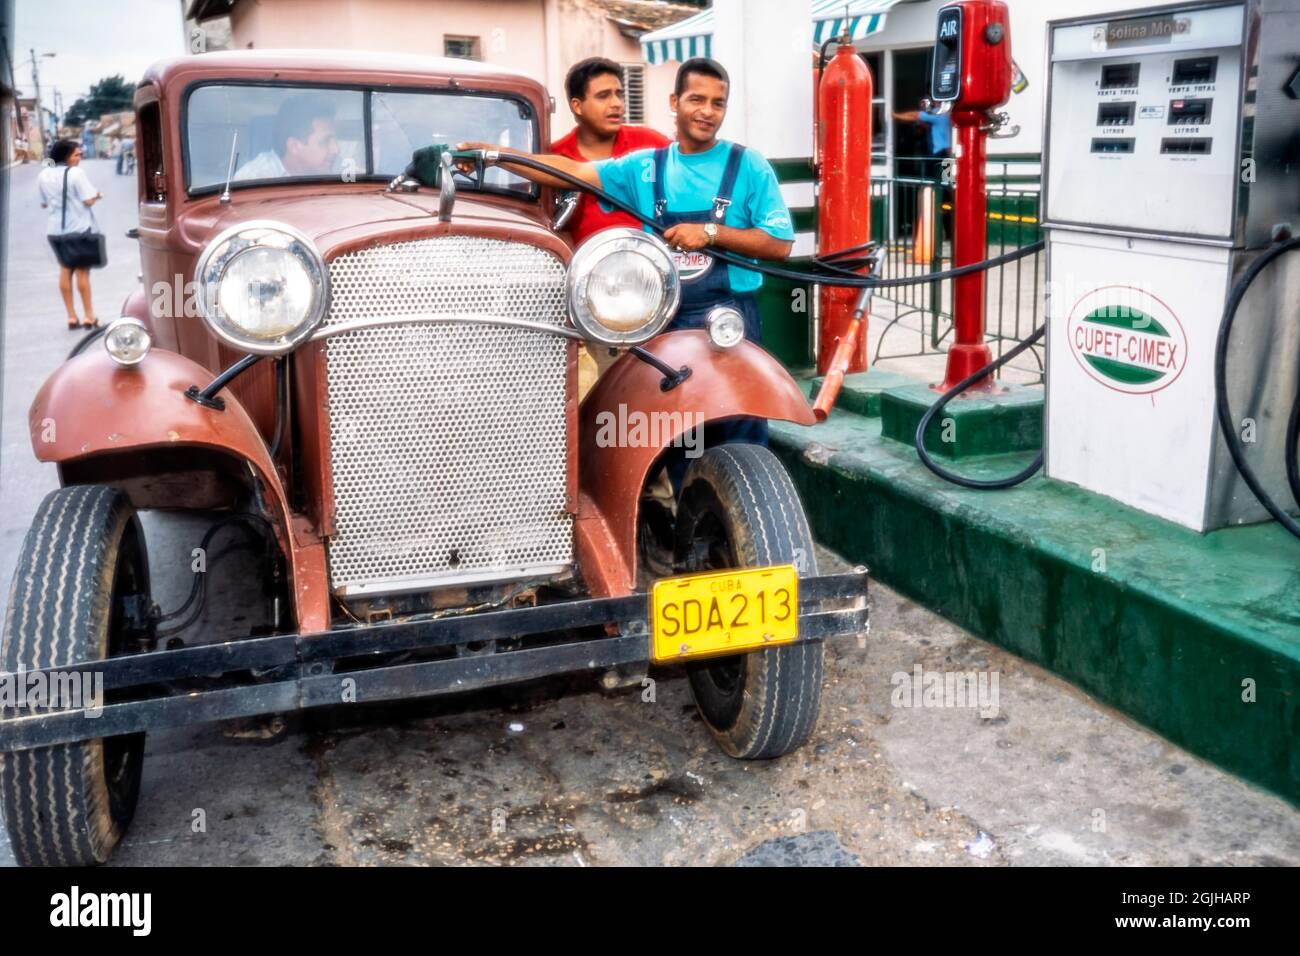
pixel 561 773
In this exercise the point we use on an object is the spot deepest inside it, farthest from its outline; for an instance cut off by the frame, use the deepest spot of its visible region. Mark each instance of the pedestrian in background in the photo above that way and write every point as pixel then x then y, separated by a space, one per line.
pixel 66 179
pixel 938 129
pixel 938 140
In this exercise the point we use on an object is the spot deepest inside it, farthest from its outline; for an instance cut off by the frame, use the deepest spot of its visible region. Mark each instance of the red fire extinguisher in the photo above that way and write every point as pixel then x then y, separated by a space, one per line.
pixel 844 205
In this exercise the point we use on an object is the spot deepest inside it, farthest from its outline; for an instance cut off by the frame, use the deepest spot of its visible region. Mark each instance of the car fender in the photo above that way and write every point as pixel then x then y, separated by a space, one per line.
pixel 91 407
pixel 744 380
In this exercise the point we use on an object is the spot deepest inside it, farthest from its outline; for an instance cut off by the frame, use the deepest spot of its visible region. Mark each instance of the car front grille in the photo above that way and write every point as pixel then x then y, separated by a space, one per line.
pixel 448 441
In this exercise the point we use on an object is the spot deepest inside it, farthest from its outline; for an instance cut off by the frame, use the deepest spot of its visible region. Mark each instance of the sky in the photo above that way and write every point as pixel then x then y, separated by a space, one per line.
pixel 92 39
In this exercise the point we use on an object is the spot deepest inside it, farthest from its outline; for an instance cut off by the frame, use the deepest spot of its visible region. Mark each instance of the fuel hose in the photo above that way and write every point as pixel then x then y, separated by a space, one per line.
pixel 980 484
pixel 833 269
pixel 1224 412
pixel 826 271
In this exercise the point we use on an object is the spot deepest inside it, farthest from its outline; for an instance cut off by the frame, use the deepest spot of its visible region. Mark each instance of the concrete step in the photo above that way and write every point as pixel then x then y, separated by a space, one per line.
pixel 1007 419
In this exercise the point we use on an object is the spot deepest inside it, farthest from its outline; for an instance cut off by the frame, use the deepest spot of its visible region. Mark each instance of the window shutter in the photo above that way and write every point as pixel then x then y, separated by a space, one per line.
pixel 634 93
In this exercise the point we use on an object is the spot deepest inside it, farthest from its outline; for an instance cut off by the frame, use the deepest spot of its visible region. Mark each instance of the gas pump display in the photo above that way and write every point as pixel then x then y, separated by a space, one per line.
pixel 1134 130
pixel 1169 162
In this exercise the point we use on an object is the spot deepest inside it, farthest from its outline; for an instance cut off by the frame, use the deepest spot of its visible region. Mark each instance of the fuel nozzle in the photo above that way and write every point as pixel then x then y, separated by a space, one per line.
pixel 428 163
pixel 833 381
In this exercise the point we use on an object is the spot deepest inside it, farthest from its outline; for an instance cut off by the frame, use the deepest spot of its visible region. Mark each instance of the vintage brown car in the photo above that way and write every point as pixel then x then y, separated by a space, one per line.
pixel 378 379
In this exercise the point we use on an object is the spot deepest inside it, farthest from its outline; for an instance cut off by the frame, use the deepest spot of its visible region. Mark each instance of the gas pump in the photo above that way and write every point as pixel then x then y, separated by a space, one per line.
pixel 1170 169
pixel 972 77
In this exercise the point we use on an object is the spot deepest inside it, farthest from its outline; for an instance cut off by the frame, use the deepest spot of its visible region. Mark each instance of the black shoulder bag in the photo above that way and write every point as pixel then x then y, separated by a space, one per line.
pixel 79 250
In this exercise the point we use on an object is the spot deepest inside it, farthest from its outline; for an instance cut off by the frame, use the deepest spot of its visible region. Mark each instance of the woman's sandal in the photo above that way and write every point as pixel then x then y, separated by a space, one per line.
pixel 91 325
pixel 73 325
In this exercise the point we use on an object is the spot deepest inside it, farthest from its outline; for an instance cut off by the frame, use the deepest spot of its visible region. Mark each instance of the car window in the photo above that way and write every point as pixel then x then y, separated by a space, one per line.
pixel 403 122
pixel 277 133
pixel 287 133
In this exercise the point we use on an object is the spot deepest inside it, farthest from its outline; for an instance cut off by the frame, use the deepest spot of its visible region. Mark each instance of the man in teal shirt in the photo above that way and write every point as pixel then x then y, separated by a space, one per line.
pixel 701 182
pixel 705 192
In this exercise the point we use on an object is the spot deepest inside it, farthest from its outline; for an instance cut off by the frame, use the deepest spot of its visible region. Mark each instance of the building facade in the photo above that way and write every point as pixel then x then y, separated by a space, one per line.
pixel 540 37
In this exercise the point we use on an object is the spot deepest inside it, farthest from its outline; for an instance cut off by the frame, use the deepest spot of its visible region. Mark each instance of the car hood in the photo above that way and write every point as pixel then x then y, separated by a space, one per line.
pixel 338 221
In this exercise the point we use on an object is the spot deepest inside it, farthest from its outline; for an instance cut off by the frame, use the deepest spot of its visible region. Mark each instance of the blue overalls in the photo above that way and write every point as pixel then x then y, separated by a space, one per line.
pixel 702 294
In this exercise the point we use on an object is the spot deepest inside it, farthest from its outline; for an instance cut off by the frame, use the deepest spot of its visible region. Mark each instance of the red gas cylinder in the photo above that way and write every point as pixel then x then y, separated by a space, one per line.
pixel 844 205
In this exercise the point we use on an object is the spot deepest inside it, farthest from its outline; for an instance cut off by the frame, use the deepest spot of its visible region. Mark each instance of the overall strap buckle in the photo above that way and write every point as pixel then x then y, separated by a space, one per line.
pixel 729 174
pixel 661 197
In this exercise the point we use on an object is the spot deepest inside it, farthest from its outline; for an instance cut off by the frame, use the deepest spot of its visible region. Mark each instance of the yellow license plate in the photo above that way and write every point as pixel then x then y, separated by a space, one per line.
pixel 724 612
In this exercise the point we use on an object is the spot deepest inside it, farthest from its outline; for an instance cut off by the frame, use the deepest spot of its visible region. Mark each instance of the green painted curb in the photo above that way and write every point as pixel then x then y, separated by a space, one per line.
pixel 994 424
pixel 1169 626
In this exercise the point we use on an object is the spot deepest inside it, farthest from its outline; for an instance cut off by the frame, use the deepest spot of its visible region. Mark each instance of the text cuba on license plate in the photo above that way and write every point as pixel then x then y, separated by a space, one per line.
pixel 724 612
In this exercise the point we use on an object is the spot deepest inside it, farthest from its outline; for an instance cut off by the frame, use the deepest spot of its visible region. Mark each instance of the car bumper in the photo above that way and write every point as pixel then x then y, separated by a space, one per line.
pixel 284 673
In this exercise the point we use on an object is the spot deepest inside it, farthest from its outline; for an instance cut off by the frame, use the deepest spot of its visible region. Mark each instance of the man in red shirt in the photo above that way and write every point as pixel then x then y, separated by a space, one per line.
pixel 595 90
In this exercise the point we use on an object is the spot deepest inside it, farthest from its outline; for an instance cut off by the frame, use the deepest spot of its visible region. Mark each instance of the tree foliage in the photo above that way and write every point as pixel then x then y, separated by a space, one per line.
pixel 112 94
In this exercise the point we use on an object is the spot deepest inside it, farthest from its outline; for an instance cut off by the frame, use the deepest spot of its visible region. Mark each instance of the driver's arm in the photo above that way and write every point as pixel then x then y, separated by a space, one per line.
pixel 585 171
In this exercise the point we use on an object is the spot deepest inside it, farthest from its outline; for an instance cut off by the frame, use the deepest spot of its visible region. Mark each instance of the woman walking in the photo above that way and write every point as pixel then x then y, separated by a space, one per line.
pixel 66 191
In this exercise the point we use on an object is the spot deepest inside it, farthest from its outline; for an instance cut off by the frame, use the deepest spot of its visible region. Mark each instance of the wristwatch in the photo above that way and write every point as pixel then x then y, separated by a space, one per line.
pixel 711 230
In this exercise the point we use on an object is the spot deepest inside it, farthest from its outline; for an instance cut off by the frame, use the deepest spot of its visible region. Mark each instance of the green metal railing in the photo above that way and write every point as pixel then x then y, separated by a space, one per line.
pixel 921 319
pixel 913 216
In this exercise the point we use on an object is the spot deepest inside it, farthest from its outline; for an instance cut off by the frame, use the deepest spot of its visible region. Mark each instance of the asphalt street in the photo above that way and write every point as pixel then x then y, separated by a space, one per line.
pixel 562 773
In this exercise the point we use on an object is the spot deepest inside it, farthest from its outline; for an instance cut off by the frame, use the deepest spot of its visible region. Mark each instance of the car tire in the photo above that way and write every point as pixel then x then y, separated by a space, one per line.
pixel 738 508
pixel 69 804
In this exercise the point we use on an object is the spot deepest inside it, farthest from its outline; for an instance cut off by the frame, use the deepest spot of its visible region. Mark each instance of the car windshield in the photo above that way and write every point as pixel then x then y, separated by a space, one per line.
pixel 284 133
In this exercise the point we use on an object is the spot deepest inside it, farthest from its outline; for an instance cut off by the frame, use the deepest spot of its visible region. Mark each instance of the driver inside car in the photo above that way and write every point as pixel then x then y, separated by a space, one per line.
pixel 306 143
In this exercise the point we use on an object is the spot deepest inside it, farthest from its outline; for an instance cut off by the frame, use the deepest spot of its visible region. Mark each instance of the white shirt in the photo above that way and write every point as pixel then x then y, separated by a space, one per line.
pixel 50 184
pixel 267 165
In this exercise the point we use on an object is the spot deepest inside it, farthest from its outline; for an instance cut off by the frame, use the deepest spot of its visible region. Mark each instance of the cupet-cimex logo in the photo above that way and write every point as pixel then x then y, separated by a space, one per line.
pixel 1127 339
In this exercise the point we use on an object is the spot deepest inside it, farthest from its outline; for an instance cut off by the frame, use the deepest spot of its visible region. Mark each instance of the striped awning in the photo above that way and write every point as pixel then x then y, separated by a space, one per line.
pixel 694 35
pixel 681 41
pixel 864 18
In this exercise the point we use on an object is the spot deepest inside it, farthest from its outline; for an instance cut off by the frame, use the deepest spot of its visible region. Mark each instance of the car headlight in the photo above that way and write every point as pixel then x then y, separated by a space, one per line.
pixel 127 341
pixel 726 326
pixel 263 287
pixel 622 287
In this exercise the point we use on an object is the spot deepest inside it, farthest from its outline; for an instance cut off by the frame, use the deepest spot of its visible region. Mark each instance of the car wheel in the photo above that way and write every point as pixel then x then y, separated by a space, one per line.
pixel 738 508
pixel 68 805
